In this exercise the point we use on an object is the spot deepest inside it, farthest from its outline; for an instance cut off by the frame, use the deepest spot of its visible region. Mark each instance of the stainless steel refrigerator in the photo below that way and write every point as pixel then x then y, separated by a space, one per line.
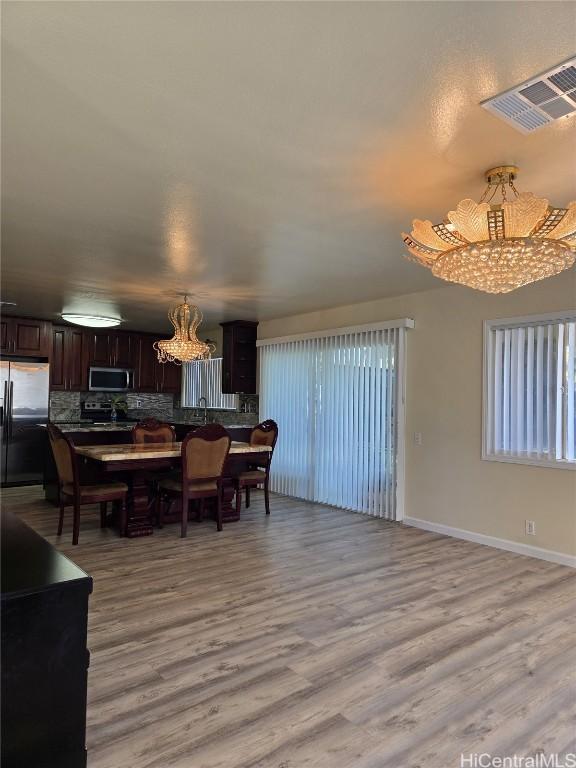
pixel 24 395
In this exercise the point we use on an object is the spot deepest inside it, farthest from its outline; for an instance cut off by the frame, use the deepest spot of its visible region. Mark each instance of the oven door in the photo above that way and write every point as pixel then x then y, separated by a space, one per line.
pixel 110 380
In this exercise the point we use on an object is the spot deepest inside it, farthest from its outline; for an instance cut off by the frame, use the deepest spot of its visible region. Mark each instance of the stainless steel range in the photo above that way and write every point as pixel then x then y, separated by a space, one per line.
pixel 100 412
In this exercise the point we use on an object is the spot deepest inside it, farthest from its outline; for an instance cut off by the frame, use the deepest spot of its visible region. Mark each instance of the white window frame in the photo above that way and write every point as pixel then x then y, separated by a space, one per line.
pixel 514 322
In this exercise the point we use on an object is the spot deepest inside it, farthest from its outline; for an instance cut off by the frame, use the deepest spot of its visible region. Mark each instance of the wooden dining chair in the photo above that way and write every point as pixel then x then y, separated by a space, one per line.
pixel 204 454
pixel 265 433
pixel 72 493
pixel 153 431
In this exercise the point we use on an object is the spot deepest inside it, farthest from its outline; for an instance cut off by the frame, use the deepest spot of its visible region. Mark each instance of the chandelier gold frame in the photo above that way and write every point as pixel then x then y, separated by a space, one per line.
pixel 497 247
pixel 184 346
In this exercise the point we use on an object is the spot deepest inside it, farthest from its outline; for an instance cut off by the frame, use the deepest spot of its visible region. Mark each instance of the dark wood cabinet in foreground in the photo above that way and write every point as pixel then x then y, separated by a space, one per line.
pixel 239 357
pixel 44 654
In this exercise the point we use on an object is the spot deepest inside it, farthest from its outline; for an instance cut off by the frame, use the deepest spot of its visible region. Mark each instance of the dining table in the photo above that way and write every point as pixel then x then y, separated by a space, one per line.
pixel 139 463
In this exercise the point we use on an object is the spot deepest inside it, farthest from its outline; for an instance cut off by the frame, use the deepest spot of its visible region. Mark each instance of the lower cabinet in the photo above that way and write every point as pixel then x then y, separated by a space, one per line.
pixel 44 654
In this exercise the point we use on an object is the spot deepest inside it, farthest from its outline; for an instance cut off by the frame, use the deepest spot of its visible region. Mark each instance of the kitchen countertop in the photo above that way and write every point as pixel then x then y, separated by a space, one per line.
pixel 121 426
pixel 152 451
pixel 126 426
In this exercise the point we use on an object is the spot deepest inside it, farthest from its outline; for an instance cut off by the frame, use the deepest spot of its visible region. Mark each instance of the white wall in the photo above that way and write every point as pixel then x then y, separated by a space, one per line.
pixel 447 482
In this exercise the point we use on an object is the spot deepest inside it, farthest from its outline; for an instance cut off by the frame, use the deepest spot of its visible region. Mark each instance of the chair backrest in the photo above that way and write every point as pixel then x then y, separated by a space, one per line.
pixel 204 453
pixel 64 456
pixel 265 433
pixel 153 431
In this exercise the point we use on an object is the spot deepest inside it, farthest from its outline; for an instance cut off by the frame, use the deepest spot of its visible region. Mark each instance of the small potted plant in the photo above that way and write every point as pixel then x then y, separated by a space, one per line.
pixel 117 403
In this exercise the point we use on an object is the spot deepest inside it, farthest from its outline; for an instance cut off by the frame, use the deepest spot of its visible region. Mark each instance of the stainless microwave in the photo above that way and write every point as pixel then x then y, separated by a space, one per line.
pixel 110 379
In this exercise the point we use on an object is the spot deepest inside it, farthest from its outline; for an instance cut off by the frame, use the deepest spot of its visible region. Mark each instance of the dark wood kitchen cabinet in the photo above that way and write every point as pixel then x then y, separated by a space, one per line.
pixel 25 337
pixel 112 349
pixel 68 361
pixel 147 373
pixel 100 348
pixel 153 376
pixel 171 378
pixel 239 357
pixel 44 654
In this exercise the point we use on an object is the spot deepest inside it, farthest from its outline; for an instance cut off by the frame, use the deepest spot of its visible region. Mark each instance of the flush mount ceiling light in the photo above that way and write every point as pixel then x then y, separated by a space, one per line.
pixel 497 247
pixel 91 321
pixel 184 346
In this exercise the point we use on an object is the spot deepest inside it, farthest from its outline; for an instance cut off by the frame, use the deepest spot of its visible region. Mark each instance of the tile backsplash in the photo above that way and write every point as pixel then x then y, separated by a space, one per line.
pixel 66 406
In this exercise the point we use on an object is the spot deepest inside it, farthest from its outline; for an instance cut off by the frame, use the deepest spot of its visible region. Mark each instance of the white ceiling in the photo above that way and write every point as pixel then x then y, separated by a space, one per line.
pixel 262 156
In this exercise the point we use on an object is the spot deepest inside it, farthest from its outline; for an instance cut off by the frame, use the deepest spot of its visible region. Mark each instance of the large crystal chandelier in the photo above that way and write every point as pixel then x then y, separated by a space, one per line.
pixel 497 246
pixel 185 345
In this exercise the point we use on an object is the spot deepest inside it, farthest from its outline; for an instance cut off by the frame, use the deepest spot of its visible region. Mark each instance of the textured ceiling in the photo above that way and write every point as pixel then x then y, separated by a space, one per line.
pixel 262 156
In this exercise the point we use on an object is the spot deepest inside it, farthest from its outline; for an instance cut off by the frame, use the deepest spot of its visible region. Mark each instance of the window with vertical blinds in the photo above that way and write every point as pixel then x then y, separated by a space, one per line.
pixel 530 390
pixel 337 399
pixel 203 378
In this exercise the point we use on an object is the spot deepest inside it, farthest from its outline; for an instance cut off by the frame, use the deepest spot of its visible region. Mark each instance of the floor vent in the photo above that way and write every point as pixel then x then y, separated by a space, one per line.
pixel 538 101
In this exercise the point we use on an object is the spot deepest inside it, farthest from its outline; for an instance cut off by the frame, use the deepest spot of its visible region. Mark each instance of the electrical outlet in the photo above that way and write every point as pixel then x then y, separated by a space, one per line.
pixel 138 403
pixel 530 528
pixel 417 438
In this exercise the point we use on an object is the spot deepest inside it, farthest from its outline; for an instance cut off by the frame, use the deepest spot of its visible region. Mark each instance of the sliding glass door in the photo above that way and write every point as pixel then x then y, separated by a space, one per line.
pixel 337 400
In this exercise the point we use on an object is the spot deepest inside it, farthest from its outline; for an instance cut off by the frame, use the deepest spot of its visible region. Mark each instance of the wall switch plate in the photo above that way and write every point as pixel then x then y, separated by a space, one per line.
pixel 417 438
pixel 530 528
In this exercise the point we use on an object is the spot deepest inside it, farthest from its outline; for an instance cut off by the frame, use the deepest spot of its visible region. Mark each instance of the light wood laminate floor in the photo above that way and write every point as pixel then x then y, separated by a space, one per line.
pixel 317 638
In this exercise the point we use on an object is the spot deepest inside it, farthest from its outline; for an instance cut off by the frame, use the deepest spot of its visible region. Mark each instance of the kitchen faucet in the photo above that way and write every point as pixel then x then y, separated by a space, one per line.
pixel 205 408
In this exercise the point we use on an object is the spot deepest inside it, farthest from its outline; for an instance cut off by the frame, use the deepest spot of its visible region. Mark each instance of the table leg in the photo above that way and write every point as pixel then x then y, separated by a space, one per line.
pixel 139 516
pixel 228 507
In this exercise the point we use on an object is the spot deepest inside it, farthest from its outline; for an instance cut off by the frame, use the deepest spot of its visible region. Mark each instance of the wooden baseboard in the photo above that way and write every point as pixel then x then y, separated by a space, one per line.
pixel 492 541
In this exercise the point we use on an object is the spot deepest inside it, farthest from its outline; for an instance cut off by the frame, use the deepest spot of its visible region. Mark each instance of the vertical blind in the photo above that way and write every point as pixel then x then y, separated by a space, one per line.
pixel 203 378
pixel 336 401
pixel 530 390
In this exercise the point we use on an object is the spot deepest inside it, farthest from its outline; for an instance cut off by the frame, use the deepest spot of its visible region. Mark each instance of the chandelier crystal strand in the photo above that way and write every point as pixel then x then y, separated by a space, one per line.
pixel 184 346
pixel 497 247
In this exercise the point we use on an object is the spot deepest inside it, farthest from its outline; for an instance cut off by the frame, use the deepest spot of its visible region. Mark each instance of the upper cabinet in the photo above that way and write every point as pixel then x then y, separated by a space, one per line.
pixel 112 349
pixel 239 357
pixel 124 350
pixel 24 337
pixel 72 350
pixel 147 373
pixel 68 361
pixel 152 376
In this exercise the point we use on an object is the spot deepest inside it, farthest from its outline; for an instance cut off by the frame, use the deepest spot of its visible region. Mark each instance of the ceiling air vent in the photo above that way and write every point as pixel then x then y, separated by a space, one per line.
pixel 538 101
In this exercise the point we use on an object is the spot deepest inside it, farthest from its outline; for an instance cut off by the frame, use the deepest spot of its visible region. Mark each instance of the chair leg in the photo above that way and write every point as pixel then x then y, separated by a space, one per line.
pixel 238 499
pixel 103 512
pixel 61 519
pixel 219 509
pixel 184 527
pixel 76 523
pixel 159 510
pixel 266 497
pixel 247 496
pixel 123 517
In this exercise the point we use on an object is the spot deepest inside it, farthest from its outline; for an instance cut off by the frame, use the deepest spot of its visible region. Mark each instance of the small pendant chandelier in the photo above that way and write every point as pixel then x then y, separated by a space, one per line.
pixel 184 346
pixel 497 247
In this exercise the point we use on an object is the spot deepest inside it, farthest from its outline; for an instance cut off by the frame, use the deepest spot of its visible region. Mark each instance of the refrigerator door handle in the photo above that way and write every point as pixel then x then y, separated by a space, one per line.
pixel 5 412
pixel 11 400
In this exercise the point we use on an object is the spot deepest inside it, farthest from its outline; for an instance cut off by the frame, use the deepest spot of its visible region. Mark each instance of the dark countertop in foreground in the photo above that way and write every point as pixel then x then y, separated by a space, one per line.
pixel 29 563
